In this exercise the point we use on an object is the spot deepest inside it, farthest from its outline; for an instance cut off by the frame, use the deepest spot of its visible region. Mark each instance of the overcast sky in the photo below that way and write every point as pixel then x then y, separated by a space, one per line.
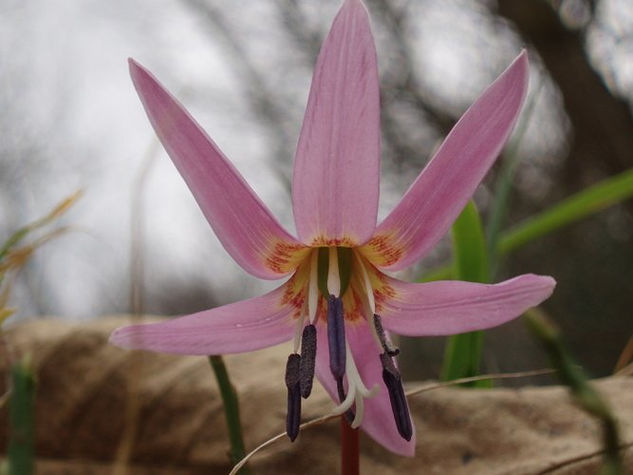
pixel 73 121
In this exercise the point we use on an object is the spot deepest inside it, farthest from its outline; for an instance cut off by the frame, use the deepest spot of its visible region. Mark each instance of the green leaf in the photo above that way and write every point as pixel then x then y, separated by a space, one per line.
pixel 579 206
pixel 470 259
pixel 463 352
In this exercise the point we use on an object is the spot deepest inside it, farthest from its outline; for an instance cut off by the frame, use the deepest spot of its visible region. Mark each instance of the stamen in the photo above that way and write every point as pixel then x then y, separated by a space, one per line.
pixel 308 355
pixel 387 346
pixel 399 406
pixel 293 417
pixel 313 286
pixel 336 336
pixel 298 330
pixel 369 291
pixel 333 275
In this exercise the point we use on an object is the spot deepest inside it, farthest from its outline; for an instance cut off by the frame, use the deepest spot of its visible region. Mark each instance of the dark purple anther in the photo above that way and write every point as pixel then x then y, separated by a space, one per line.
pixel 387 346
pixel 399 406
pixel 293 417
pixel 308 355
pixel 336 336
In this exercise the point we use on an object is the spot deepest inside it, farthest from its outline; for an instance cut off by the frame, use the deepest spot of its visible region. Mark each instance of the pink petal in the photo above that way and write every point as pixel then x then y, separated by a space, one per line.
pixel 378 420
pixel 246 228
pixel 337 164
pixel 451 307
pixel 242 326
pixel 441 191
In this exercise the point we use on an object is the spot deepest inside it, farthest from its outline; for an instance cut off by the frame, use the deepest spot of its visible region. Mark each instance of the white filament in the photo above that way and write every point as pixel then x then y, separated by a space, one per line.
pixel 369 291
pixel 313 286
pixel 333 276
pixel 298 332
pixel 370 301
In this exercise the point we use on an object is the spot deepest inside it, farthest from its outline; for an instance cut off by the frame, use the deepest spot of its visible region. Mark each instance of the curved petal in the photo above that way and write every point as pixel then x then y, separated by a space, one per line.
pixel 244 225
pixel 378 420
pixel 441 191
pixel 242 326
pixel 336 173
pixel 451 307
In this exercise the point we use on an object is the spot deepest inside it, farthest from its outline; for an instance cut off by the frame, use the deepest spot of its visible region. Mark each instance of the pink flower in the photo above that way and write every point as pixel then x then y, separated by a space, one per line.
pixel 339 304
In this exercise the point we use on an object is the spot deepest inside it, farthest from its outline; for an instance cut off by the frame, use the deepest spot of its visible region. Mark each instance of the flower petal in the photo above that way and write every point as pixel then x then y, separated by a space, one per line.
pixel 441 191
pixel 451 307
pixel 244 225
pixel 378 420
pixel 337 164
pixel 242 326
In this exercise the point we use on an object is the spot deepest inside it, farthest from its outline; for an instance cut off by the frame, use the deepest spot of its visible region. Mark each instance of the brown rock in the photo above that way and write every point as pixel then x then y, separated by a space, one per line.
pixel 89 392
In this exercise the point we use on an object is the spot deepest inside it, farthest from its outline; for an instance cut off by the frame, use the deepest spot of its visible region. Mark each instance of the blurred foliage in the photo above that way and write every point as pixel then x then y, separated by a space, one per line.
pixel 582 392
pixel 14 254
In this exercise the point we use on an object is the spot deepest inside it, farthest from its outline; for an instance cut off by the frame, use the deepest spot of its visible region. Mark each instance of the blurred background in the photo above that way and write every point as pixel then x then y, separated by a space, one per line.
pixel 71 119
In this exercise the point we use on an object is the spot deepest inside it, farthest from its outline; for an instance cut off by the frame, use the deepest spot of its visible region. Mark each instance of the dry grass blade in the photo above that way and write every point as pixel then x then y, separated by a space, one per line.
pixel 581 458
pixel 626 371
pixel 626 357
pixel 55 213
pixel 413 392
pixel 4 398
pixel 272 440
pixel 484 377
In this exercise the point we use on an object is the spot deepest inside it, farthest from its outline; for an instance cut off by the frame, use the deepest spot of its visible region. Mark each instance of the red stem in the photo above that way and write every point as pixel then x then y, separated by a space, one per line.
pixel 349 449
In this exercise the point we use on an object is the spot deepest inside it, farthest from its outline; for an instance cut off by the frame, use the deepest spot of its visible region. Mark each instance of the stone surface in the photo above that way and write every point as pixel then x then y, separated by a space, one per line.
pixel 93 397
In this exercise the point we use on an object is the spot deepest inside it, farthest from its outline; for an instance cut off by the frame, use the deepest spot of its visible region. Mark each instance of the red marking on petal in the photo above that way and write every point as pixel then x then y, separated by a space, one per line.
pixel 381 250
pixel 296 290
pixel 285 256
pixel 324 241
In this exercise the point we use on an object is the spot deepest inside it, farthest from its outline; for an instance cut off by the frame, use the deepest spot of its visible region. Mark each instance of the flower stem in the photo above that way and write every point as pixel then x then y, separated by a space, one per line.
pixel 231 410
pixel 349 449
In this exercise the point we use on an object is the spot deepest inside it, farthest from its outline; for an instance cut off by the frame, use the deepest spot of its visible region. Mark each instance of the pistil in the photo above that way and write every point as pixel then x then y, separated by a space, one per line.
pixel 357 392
pixel 336 337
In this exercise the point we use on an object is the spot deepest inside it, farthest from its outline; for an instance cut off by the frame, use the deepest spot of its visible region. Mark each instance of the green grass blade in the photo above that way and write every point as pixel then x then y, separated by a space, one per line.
pixel 21 420
pixel 231 411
